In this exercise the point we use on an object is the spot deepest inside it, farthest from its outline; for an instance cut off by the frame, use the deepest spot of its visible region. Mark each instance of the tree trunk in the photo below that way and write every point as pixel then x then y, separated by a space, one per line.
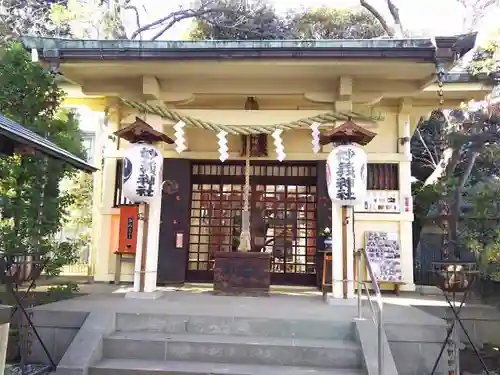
pixel 446 166
pixel 457 199
pixel 380 18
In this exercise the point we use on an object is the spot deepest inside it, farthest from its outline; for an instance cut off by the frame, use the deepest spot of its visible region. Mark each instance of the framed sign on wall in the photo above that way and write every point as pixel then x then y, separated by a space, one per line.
pixel 384 255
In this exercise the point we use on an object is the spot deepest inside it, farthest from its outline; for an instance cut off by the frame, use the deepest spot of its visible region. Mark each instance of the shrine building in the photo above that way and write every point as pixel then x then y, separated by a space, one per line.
pixel 382 87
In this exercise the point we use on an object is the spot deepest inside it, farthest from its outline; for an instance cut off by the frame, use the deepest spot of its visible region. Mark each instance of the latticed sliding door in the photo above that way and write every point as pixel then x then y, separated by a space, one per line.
pixel 283 207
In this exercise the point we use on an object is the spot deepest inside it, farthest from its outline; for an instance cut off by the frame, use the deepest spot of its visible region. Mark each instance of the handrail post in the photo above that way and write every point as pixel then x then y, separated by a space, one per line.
pixel 380 338
pixel 358 284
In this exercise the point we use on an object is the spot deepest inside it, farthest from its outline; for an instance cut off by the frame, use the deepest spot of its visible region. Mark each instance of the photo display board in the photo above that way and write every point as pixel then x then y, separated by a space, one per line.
pixel 384 254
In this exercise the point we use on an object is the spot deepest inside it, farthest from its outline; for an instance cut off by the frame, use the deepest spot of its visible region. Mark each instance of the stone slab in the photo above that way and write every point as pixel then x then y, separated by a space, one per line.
pixel 56 340
pixel 58 318
pixel 144 295
pixel 367 334
pixel 241 326
pixel 137 367
pixel 274 306
pixel 179 307
pixel 4 338
pixel 86 347
pixel 233 349
pixel 413 358
pixel 332 301
pixel 5 312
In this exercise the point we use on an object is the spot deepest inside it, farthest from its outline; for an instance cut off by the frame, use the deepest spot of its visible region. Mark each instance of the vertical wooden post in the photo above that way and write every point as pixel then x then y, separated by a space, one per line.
pixel 144 248
pixel 344 251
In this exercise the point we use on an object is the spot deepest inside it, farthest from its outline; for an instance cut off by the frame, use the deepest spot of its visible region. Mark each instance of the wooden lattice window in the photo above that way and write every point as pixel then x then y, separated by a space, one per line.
pixel 383 176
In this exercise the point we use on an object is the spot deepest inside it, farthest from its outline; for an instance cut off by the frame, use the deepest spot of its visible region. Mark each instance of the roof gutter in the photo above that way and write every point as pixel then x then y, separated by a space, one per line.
pixel 60 50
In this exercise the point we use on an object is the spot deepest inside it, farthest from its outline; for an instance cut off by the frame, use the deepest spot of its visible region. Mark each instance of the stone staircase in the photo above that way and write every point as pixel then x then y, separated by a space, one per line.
pixel 197 345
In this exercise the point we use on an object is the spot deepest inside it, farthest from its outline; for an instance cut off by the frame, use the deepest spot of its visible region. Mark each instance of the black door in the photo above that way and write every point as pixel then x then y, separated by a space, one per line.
pixel 282 203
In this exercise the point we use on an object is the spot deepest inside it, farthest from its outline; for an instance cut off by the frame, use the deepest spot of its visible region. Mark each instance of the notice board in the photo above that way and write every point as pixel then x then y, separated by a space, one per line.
pixel 384 255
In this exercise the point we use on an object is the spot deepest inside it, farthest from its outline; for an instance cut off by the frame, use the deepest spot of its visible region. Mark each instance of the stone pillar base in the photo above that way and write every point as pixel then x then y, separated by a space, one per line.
pixel 144 295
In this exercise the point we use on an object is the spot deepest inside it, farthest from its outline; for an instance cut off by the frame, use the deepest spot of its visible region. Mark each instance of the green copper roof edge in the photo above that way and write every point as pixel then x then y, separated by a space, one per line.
pixel 55 43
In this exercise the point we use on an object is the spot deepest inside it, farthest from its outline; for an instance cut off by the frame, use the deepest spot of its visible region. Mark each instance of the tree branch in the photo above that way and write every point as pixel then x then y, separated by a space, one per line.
pixel 275 34
pixel 395 15
pixel 383 22
pixel 177 16
pixel 426 148
pixel 474 12
pixel 128 6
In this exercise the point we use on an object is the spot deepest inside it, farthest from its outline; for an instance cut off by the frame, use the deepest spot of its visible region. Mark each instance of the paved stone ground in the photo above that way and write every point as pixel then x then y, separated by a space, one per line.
pixel 289 302
pixel 197 300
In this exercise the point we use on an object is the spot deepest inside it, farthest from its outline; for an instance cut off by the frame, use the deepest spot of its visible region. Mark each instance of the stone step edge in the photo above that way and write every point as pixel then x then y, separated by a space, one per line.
pixel 130 366
pixel 335 320
pixel 234 339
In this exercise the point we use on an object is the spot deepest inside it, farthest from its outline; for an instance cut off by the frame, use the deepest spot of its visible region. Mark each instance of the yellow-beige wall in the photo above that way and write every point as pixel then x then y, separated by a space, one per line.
pixel 202 144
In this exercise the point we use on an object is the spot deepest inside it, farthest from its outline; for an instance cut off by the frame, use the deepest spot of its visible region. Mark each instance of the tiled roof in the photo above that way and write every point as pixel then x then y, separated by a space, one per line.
pixel 23 136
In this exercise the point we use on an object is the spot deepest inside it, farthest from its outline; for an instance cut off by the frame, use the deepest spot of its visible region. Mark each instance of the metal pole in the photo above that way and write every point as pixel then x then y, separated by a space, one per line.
pixel 380 338
pixel 358 279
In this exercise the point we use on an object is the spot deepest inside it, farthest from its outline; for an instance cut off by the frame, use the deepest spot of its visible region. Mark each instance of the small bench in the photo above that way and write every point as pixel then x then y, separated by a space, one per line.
pixel 396 285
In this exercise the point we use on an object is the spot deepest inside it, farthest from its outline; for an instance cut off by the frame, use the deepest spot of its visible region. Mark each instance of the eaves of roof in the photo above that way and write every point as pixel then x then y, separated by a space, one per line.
pixel 20 135
pixel 423 49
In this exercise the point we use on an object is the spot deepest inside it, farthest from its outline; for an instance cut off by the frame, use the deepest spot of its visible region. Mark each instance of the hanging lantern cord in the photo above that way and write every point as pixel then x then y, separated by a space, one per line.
pixel 245 240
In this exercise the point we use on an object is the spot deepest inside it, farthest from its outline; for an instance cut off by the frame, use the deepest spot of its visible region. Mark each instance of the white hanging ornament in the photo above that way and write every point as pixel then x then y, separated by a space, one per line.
pixel 180 141
pixel 278 143
pixel 142 166
pixel 315 137
pixel 223 149
pixel 346 171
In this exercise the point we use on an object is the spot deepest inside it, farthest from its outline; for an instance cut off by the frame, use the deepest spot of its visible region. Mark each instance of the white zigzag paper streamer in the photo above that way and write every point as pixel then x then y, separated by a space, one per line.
pixel 278 143
pixel 179 137
pixel 223 149
pixel 315 137
pixel 34 55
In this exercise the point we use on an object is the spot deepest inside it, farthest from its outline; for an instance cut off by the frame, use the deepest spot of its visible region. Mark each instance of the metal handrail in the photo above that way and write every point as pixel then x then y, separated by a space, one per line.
pixel 377 315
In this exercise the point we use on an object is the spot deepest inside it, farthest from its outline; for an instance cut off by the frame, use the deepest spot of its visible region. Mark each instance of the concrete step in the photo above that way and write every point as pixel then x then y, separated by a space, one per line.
pixel 138 367
pixel 233 349
pixel 241 326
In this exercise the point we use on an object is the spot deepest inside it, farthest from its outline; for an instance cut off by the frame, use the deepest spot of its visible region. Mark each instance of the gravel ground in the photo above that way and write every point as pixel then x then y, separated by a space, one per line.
pixel 469 363
pixel 29 370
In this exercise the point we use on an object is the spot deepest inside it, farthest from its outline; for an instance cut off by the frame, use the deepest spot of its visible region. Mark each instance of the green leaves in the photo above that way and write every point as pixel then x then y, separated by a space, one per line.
pixel 258 20
pixel 330 23
pixel 486 61
pixel 33 206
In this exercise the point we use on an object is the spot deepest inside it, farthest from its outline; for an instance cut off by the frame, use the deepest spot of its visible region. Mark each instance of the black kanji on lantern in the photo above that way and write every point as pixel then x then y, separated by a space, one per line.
pixel 147 173
pixel 345 174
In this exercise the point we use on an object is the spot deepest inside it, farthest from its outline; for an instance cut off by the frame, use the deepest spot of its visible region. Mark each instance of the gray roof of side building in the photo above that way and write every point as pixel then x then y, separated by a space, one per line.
pixel 22 136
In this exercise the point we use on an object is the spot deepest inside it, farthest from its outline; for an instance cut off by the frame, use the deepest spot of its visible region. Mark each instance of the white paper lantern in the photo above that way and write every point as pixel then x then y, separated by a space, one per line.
pixel 346 175
pixel 142 165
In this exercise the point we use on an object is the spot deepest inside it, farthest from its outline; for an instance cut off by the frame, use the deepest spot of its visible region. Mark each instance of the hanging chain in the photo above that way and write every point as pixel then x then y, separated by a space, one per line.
pixel 444 209
pixel 444 213
pixel 440 81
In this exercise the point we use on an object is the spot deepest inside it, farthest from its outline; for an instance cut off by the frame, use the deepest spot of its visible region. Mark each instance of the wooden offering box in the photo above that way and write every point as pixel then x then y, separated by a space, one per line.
pixel 242 273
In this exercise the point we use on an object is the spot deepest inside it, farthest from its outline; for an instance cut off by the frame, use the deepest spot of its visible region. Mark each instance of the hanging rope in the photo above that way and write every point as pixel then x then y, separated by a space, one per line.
pixel 245 236
pixel 305 123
